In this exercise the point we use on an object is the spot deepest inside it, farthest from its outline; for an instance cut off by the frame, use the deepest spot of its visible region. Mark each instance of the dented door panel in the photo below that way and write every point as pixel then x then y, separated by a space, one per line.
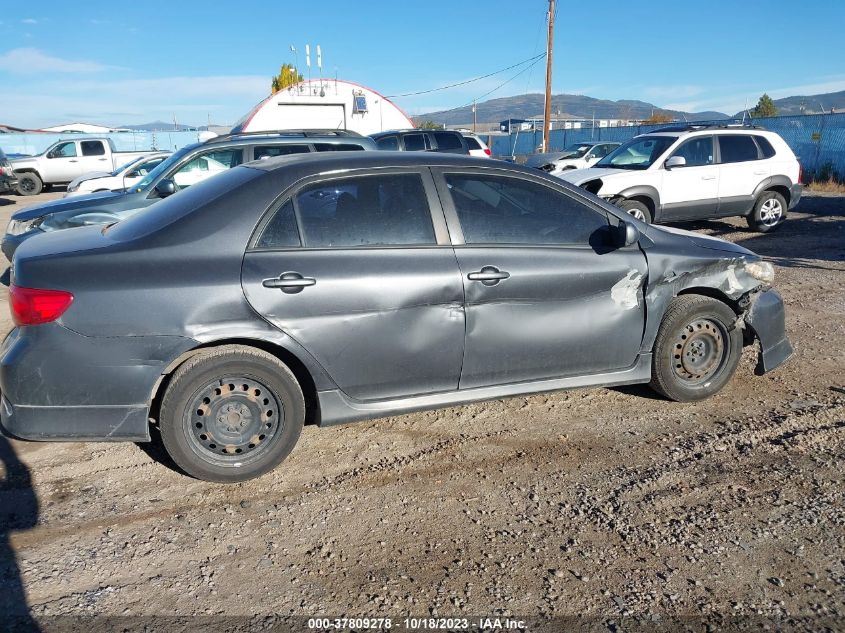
pixel 562 311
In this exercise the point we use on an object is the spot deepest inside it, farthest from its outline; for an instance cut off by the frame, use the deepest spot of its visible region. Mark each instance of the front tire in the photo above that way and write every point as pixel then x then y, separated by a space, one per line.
pixel 769 212
pixel 29 184
pixel 697 349
pixel 637 209
pixel 231 414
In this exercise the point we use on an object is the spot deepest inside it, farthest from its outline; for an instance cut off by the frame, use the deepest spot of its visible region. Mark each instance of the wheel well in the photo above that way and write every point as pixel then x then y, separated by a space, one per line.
pixel 27 170
pixel 303 376
pixel 648 202
pixel 782 190
pixel 713 293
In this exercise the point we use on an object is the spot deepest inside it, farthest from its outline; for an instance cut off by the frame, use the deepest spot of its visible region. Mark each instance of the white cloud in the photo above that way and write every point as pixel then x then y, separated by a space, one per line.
pixel 28 60
pixel 29 21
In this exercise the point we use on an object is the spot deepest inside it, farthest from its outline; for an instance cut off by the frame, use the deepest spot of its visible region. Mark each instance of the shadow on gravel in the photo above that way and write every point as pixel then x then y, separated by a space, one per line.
pixel 18 511
pixel 155 451
pixel 6 201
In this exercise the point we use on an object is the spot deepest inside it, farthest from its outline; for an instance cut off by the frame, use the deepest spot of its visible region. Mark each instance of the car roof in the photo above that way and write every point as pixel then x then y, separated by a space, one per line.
pixel 326 161
pixel 287 136
pixel 412 129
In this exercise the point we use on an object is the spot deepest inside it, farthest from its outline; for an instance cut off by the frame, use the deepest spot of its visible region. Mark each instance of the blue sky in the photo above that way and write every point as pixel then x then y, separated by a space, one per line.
pixel 119 63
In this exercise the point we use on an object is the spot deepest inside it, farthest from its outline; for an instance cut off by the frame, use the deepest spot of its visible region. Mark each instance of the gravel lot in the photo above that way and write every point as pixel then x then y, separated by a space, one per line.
pixel 605 504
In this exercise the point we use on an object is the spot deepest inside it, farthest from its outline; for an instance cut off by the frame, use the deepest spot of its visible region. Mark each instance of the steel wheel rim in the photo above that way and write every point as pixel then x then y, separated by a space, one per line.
pixel 637 213
pixel 27 184
pixel 233 419
pixel 699 351
pixel 771 211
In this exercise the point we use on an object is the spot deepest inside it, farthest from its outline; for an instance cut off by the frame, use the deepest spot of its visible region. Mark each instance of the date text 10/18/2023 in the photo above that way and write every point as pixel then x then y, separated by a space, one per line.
pixel 419 624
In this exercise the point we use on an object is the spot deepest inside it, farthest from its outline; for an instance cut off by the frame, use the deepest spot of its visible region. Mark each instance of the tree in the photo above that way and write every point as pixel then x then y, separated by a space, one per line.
pixel 287 77
pixel 765 107
pixel 428 125
pixel 659 117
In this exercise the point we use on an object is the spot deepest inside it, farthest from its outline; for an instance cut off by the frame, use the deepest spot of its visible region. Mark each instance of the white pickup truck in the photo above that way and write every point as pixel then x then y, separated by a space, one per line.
pixel 66 160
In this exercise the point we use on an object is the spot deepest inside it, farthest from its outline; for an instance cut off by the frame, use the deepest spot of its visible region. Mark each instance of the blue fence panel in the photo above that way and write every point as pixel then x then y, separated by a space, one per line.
pixel 35 143
pixel 818 140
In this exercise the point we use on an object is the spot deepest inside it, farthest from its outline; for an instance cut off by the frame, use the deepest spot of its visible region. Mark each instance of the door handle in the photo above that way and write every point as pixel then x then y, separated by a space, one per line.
pixel 289 283
pixel 708 177
pixel 759 173
pixel 101 159
pixel 488 275
pixel 72 160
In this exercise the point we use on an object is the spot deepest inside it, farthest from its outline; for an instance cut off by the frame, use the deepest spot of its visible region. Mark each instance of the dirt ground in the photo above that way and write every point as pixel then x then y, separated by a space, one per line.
pixel 605 504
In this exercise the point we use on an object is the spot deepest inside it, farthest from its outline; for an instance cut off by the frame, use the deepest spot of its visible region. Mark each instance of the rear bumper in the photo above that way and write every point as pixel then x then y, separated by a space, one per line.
pixel 60 385
pixel 795 195
pixel 77 424
pixel 767 318
pixel 8 185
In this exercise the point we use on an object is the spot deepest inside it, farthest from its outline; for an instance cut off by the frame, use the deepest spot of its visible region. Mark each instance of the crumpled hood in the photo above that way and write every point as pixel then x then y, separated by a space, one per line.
pixel 580 176
pixel 67 204
pixel 702 241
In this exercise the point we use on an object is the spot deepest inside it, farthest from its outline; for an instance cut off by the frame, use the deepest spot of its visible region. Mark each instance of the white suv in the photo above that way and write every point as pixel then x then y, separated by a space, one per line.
pixel 695 172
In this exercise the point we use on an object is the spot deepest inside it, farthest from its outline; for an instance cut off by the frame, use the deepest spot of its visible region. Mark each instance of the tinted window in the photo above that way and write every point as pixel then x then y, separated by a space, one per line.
pixel 505 210
pixel 92 148
pixel 391 209
pixel 281 231
pixel 765 147
pixel 338 147
pixel 697 151
pixel 472 143
pixel 65 150
pixel 446 140
pixel 388 143
pixel 737 148
pixel 414 142
pixel 265 151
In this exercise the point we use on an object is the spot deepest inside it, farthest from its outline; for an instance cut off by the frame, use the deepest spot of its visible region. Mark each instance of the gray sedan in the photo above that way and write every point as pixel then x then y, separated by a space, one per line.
pixel 340 287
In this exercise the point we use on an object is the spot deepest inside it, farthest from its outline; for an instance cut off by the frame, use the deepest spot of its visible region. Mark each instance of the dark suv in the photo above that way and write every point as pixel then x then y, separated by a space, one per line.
pixel 445 141
pixel 184 168
pixel 8 182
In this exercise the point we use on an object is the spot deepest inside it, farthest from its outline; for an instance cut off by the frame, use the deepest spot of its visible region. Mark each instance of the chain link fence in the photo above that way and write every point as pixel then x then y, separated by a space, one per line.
pixel 818 140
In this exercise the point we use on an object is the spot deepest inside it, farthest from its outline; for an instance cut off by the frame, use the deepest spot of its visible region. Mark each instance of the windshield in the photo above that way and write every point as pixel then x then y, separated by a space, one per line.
pixel 123 166
pixel 638 153
pixel 163 166
pixel 575 151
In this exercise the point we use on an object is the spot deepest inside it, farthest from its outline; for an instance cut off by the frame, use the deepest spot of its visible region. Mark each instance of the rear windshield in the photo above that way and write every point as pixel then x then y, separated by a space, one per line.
pixel 473 144
pixel 446 140
pixel 180 204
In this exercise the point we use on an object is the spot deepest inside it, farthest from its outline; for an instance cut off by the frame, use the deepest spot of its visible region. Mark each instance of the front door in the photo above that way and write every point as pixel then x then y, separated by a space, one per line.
pixel 692 190
pixel 359 273
pixel 64 163
pixel 546 296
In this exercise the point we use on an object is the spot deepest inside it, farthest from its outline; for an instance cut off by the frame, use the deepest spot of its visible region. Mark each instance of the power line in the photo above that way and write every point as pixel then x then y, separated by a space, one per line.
pixel 504 83
pixel 534 59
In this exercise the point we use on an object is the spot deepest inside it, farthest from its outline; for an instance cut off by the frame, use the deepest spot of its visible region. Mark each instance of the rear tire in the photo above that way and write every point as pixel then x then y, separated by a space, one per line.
pixel 697 349
pixel 769 212
pixel 29 184
pixel 231 414
pixel 636 208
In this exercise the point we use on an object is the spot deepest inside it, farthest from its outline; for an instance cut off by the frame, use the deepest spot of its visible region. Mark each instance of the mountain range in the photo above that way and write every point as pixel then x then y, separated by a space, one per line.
pixel 579 106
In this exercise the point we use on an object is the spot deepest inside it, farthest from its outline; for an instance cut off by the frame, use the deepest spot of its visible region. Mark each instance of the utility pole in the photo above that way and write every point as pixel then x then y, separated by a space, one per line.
pixel 548 110
pixel 474 117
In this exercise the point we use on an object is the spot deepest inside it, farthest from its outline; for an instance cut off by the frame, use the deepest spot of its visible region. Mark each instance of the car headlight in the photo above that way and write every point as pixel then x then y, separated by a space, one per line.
pixel 19 227
pixel 761 271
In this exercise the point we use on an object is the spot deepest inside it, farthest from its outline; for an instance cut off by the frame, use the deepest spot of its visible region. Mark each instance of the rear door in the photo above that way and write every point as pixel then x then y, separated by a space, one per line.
pixel 546 296
pixel 358 271
pixel 691 191
pixel 94 157
pixel 742 166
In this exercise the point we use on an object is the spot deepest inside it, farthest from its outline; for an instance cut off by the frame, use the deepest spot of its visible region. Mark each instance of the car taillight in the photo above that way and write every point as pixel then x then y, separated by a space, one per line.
pixel 3 171
pixel 800 173
pixel 487 151
pixel 33 306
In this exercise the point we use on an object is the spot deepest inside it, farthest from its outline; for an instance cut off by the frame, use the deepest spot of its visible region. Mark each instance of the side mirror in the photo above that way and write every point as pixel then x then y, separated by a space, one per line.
pixel 165 188
pixel 626 234
pixel 132 174
pixel 675 161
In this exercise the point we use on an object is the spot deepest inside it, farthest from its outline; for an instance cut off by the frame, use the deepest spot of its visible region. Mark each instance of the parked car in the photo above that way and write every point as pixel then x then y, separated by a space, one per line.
pixel 575 156
pixel 341 287
pixel 120 179
pixel 8 180
pixel 444 141
pixel 184 168
pixel 477 147
pixel 66 160
pixel 694 172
